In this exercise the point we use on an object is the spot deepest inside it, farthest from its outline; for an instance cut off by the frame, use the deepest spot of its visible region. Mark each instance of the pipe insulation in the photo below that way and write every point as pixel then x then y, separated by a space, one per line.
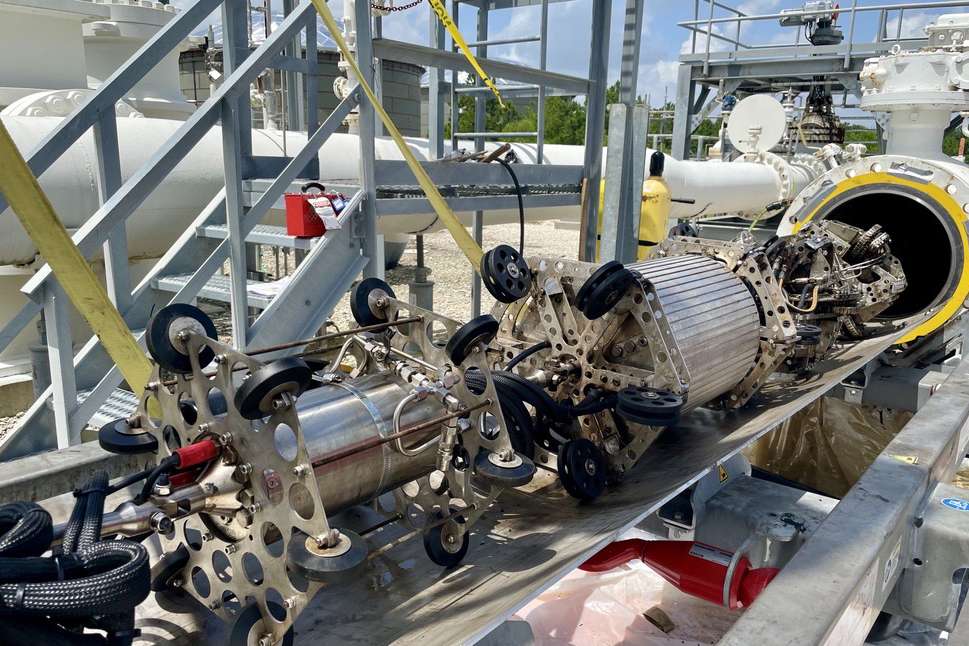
pixel 70 182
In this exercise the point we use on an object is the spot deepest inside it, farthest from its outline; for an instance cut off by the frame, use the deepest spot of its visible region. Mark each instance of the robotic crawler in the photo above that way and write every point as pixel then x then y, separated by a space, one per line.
pixel 578 369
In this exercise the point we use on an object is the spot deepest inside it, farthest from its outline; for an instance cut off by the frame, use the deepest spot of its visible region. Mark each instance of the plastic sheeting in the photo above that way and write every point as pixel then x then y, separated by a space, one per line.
pixel 828 445
pixel 607 608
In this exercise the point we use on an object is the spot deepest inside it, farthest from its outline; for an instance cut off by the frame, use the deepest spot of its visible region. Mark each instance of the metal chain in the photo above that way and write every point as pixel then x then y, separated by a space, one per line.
pixel 404 7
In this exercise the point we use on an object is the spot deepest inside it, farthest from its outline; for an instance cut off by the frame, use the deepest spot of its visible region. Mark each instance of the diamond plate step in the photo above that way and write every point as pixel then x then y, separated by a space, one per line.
pixel 261 234
pixel 120 403
pixel 217 289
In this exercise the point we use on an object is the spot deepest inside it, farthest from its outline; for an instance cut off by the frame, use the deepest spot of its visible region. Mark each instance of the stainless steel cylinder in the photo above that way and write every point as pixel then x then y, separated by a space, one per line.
pixel 342 415
pixel 714 320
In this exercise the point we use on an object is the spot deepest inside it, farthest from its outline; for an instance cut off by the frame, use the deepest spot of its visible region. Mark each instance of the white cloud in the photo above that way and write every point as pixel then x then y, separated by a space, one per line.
pixel 913 25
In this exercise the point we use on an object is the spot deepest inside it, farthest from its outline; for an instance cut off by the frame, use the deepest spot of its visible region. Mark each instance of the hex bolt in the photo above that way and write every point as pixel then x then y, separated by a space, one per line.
pixel 206 536
pixel 299 470
pixel 153 385
pixel 215 605
pixel 266 640
pixel 329 539
pixel 231 549
pixel 254 507
pixel 289 603
pixel 244 469
pixel 225 439
pixel 507 455
pixel 220 359
pixel 177 582
pixel 161 523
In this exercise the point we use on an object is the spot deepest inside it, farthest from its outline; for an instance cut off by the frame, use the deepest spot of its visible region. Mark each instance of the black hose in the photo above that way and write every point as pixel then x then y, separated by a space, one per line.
pixel 527 352
pixel 521 206
pixel 25 530
pixel 90 583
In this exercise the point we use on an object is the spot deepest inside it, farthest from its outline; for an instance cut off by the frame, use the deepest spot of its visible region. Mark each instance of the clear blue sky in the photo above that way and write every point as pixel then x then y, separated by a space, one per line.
pixel 663 41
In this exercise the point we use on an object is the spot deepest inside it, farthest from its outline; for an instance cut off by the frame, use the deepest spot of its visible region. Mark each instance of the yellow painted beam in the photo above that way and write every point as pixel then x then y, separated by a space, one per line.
pixel 462 238
pixel 28 201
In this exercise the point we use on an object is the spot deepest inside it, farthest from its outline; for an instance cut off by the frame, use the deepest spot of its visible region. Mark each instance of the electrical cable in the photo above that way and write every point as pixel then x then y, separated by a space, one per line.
pixel 524 354
pixel 521 205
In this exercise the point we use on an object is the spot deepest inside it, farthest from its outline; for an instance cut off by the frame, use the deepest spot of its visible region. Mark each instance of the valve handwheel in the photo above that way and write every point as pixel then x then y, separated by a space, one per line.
pixel 505 274
pixel 165 329
pixel 582 469
pixel 481 329
pixel 257 395
pixel 446 544
pixel 368 301
pixel 649 406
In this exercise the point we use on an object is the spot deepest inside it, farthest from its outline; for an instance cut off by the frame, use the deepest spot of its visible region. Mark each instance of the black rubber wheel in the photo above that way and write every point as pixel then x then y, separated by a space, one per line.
pixel 604 271
pixel 505 274
pixel 808 334
pixel 518 473
pixel 361 301
pixel 582 469
pixel 161 342
pixel 117 437
pixel 649 406
pixel 481 329
pixel 441 542
pixel 255 396
pixel 326 564
pixel 247 627
pixel 167 568
pixel 603 296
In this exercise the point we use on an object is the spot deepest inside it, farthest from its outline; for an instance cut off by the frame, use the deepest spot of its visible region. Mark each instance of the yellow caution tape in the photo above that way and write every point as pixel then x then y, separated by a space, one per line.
pixel 461 237
pixel 445 19
pixel 28 201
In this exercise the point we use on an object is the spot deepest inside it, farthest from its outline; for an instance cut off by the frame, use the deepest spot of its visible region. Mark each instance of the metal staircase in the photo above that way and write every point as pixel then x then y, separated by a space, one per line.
pixel 87 387
pixel 86 383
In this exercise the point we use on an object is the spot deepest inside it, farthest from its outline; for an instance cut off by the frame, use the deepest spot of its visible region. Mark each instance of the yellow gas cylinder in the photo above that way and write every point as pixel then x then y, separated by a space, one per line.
pixel 654 212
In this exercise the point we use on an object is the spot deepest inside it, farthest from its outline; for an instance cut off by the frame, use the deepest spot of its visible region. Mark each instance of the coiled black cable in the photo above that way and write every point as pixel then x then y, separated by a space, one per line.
pixel 90 582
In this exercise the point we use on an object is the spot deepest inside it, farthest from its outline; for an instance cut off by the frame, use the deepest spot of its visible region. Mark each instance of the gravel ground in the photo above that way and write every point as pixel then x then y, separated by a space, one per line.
pixel 450 271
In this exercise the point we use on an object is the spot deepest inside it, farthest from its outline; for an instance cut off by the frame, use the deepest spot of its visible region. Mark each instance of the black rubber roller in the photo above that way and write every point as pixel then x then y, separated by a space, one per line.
pixel 247 629
pixel 447 544
pixel 257 394
pixel 505 274
pixel 328 564
pixel 119 437
pixel 649 406
pixel 363 301
pixel 604 288
pixel 161 336
pixel 582 469
pixel 515 473
pixel 481 329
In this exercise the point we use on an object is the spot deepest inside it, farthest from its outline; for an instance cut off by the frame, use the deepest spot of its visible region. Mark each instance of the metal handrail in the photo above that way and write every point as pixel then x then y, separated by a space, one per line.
pixel 705 25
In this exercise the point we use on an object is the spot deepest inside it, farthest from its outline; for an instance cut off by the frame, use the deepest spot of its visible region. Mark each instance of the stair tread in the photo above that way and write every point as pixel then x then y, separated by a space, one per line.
pixel 217 289
pixel 266 234
pixel 120 403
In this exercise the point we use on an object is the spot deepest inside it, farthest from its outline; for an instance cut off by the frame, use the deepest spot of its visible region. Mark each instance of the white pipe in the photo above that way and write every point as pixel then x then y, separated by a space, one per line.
pixel 70 182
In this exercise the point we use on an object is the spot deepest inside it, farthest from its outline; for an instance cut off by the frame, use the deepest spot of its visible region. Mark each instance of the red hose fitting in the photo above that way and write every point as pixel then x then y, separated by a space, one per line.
pixel 696 569
pixel 196 454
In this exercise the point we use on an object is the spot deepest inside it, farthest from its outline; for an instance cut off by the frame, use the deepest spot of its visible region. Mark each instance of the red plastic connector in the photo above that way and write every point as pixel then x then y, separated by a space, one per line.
pixel 696 569
pixel 196 454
